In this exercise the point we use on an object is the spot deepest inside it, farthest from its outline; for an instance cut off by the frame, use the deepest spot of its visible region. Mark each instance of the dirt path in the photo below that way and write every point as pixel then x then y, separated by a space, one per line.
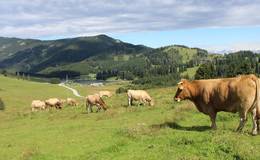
pixel 74 91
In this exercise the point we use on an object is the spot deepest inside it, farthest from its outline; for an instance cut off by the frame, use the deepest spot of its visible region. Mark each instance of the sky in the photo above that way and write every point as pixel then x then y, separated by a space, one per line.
pixel 211 24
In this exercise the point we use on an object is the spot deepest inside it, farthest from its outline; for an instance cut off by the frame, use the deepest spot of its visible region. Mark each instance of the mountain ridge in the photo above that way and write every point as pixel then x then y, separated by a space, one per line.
pixel 100 55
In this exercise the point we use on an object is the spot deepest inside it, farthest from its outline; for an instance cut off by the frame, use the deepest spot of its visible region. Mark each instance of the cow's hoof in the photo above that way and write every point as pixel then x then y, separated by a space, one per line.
pixel 213 127
pixel 254 133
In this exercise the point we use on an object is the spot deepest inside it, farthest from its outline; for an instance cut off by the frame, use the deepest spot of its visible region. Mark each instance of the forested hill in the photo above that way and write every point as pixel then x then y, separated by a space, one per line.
pixel 99 55
pixel 35 56
pixel 230 65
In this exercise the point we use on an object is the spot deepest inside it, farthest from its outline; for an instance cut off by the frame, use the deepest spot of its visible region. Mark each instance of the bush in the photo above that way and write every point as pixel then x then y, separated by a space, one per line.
pixel 121 90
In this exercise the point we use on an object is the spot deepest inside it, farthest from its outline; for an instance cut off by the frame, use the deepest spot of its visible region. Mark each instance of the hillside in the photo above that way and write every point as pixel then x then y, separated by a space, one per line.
pixel 165 131
pixel 38 56
pixel 10 46
pixel 99 55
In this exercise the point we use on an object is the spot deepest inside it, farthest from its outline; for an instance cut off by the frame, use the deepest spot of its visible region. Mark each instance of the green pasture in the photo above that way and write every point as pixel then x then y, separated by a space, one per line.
pixel 169 130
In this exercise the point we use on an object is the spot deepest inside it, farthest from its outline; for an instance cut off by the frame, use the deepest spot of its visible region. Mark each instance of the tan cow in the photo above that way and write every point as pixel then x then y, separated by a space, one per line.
pixel 95 100
pixel 139 95
pixel 62 101
pixel 54 102
pixel 240 94
pixel 71 102
pixel 38 105
pixel 105 93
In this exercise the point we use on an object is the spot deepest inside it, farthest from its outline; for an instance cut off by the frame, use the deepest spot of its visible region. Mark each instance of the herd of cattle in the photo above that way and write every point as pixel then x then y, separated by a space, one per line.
pixel 91 100
pixel 238 94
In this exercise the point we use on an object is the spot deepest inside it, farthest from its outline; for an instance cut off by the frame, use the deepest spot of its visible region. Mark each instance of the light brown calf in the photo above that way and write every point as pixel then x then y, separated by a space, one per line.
pixel 105 93
pixel 95 100
pixel 139 95
pixel 38 105
pixel 54 102
pixel 71 102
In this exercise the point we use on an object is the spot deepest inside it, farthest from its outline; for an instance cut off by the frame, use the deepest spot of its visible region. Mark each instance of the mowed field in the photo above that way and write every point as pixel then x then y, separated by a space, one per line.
pixel 169 130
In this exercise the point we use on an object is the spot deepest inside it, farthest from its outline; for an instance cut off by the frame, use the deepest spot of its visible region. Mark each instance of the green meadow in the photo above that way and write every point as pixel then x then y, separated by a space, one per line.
pixel 168 130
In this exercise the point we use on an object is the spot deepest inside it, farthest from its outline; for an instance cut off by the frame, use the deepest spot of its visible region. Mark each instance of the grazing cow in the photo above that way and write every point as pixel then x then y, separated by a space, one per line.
pixel 62 101
pixel 239 94
pixel 95 100
pixel 54 102
pixel 38 105
pixel 139 95
pixel 71 102
pixel 105 93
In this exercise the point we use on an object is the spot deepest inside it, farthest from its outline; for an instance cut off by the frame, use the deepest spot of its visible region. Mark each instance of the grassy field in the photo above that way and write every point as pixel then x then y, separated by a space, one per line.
pixel 168 130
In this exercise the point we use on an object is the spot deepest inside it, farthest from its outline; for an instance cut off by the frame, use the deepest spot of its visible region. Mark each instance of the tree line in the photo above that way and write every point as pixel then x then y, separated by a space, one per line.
pixel 230 65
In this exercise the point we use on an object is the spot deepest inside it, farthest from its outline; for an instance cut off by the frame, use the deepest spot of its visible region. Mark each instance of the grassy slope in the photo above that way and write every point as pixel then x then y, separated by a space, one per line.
pixel 187 54
pixel 167 131
pixel 190 72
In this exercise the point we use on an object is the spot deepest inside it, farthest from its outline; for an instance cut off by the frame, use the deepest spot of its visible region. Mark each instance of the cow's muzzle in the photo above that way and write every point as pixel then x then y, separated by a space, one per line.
pixel 177 99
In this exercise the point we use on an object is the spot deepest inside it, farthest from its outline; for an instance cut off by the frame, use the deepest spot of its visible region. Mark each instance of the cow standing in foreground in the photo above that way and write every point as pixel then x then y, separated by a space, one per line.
pixel 95 100
pixel 239 94
pixel 139 95
pixel 38 105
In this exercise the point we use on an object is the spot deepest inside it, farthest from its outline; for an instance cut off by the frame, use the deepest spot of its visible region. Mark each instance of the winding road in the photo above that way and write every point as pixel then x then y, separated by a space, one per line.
pixel 74 91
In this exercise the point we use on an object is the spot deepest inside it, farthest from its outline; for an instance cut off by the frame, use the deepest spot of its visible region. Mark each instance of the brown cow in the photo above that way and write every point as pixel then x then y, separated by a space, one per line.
pixel 72 102
pixel 54 102
pixel 139 95
pixel 38 105
pixel 239 94
pixel 95 100
pixel 105 93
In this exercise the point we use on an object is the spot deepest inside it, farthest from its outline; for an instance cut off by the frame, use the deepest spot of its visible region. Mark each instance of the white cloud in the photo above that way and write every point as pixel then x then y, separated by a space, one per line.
pixel 233 47
pixel 49 18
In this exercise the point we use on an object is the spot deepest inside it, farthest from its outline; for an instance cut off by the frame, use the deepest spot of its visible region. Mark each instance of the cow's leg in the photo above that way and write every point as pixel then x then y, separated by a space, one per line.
pixel 243 119
pixel 130 101
pixel 258 125
pixel 98 108
pixel 254 118
pixel 213 116
pixel 144 101
pixel 90 108
pixel 104 108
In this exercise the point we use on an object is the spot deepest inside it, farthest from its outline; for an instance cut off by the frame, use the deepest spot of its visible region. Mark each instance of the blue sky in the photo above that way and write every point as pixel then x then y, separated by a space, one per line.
pixel 210 24
pixel 224 38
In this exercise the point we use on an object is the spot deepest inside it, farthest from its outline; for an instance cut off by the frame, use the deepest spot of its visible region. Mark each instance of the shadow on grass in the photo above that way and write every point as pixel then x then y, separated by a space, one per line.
pixel 175 125
pixel 2 105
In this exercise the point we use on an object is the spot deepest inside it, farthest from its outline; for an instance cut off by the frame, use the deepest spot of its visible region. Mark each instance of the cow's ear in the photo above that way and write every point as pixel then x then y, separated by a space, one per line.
pixel 184 80
pixel 180 83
